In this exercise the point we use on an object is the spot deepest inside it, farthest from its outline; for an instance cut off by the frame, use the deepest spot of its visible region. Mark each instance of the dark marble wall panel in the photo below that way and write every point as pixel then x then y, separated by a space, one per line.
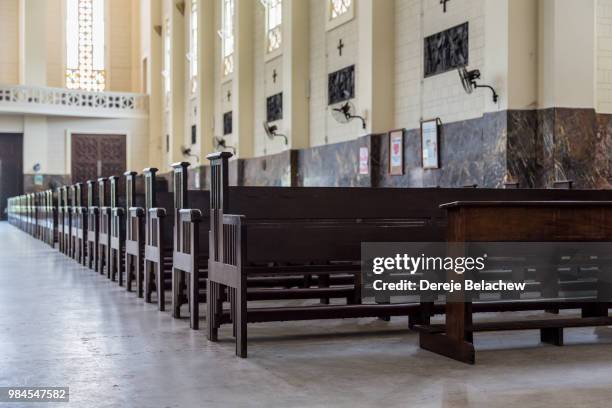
pixel 521 155
pixel 236 172
pixel 531 147
pixel 333 165
pixel 273 170
pixel 545 143
pixel 49 181
pixel 198 178
pixel 471 152
pixel 604 149
pixel 576 149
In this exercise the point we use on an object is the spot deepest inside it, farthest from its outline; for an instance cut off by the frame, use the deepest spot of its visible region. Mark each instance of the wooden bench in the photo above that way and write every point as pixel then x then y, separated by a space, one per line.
pixel 116 249
pixel 133 234
pixel 305 231
pixel 79 224
pixel 50 221
pixel 158 240
pixel 104 227
pixel 190 253
pixel 65 220
pixel 93 221
pixel 524 221
pixel 333 223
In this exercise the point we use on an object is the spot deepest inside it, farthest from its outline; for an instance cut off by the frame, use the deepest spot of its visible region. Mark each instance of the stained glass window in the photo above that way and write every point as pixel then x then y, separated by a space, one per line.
pixel 167 59
pixel 193 47
pixel 274 19
pixel 85 45
pixel 339 7
pixel 227 36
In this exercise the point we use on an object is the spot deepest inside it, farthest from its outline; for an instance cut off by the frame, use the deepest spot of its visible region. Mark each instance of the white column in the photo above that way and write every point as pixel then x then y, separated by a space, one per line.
pixel 567 53
pixel 242 84
pixel 32 42
pixel 177 72
pixel 206 75
pixel 152 49
pixel 510 66
pixel 33 71
pixel 375 64
pixel 296 72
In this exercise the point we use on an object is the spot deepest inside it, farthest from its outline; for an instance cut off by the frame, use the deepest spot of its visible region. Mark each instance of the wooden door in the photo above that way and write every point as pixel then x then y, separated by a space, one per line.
pixel 11 168
pixel 95 156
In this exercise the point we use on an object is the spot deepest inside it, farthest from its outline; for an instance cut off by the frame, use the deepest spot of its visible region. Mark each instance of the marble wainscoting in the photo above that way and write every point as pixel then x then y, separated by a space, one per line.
pixel 581 148
pixel 521 150
pixel 275 170
pixel 532 147
pixel 472 152
pixel 335 165
pixel 574 144
pixel 52 181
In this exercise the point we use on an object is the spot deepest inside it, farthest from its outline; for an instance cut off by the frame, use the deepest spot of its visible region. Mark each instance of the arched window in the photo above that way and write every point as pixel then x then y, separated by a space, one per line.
pixel 339 7
pixel 274 19
pixel 227 36
pixel 85 45
pixel 193 46
pixel 167 62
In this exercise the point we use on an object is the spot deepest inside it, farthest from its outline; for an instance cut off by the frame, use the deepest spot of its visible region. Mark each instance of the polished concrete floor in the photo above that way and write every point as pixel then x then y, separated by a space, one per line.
pixel 63 325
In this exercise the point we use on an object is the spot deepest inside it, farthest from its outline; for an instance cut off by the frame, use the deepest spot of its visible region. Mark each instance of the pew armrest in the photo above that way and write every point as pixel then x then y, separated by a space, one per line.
pixel 117 211
pixel 157 212
pixel 190 215
pixel 136 212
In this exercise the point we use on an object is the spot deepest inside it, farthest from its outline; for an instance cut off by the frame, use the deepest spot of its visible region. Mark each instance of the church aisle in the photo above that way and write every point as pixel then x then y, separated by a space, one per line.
pixel 63 325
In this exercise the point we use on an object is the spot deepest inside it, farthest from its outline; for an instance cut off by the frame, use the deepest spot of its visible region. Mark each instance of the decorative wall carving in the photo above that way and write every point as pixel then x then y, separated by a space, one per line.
pixel 274 107
pixel 341 85
pixel 447 50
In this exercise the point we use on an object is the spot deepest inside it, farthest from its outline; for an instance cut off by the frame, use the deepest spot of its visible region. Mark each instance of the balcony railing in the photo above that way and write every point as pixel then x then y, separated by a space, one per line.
pixel 69 102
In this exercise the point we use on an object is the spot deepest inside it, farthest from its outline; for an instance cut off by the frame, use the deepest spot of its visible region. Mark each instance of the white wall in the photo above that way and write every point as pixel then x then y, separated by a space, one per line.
pixel 324 59
pixel 604 56
pixel 45 139
pixel 9 37
pixel 441 95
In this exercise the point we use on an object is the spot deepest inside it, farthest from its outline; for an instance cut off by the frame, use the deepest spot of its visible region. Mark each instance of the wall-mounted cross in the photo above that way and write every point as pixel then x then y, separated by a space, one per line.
pixel 443 2
pixel 341 46
pixel 229 95
pixel 274 75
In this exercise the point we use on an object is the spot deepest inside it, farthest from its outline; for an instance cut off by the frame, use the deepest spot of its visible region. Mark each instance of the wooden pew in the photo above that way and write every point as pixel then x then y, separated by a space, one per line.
pixel 134 236
pixel 72 233
pixel 42 217
pixel 190 248
pixel 304 231
pixel 93 221
pixel 191 251
pixel 38 215
pixel 158 240
pixel 104 227
pixel 51 218
pixel 66 221
pixel 524 221
pixel 117 233
pixel 332 223
pixel 60 219
pixel 79 225
pixel 41 220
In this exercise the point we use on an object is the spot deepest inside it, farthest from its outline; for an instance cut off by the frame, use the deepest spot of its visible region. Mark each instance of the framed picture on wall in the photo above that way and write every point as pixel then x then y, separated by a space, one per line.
pixel 396 152
pixel 430 143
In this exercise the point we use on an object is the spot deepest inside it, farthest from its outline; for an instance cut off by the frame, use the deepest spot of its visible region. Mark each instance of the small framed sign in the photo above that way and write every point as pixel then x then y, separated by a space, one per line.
pixel 430 143
pixel 364 160
pixel 396 152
